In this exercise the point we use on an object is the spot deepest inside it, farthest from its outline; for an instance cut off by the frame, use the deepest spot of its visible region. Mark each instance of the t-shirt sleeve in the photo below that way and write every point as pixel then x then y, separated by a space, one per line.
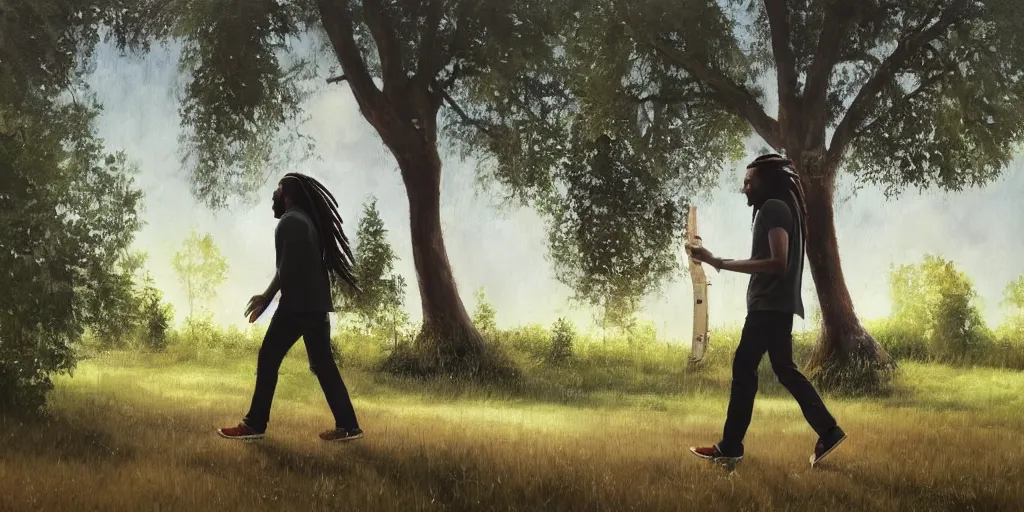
pixel 776 214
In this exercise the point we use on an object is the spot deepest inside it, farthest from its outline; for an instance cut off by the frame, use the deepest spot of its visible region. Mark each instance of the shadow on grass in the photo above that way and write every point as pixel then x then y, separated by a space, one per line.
pixel 962 495
pixel 56 436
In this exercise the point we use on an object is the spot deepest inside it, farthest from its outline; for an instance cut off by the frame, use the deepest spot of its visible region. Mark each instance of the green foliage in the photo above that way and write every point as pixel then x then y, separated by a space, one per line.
pixel 156 317
pixel 935 299
pixel 68 213
pixel 900 339
pixel 612 233
pixel 201 268
pixel 241 93
pixel 562 335
pixel 379 304
pixel 129 309
pixel 117 308
pixel 1013 295
pixel 484 314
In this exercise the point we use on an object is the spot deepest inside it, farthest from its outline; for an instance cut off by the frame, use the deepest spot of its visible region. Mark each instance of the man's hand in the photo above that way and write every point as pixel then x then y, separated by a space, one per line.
pixel 257 305
pixel 704 256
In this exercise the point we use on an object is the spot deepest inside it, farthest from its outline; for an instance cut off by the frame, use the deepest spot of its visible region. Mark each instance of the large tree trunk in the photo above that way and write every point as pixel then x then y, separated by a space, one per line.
pixel 447 329
pixel 845 358
pixel 448 343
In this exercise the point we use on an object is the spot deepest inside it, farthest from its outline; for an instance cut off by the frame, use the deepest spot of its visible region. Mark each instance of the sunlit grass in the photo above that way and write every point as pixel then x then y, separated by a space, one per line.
pixel 135 432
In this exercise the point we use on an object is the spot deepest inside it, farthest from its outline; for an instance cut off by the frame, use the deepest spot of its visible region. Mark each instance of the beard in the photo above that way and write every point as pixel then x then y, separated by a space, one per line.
pixel 278 208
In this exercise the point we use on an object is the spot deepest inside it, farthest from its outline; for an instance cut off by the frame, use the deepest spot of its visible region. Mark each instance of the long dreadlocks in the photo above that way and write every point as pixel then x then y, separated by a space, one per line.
pixel 780 180
pixel 319 204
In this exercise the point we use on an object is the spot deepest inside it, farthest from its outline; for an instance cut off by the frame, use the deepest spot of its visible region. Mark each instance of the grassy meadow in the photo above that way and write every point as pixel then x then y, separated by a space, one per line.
pixel 607 430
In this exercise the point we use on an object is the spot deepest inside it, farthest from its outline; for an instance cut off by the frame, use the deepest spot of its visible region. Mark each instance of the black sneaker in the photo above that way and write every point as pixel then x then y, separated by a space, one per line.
pixel 826 444
pixel 340 434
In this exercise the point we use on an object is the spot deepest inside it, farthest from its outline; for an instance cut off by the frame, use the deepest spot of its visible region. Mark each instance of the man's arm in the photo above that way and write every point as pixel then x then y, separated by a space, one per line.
pixel 290 234
pixel 778 242
pixel 275 286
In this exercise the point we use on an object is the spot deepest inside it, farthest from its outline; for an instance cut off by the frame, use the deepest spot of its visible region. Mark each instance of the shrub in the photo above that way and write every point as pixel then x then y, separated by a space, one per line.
pixel 936 300
pixel 562 336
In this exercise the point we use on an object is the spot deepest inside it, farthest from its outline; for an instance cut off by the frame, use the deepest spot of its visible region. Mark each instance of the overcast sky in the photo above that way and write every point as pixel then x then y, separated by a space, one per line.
pixel 503 250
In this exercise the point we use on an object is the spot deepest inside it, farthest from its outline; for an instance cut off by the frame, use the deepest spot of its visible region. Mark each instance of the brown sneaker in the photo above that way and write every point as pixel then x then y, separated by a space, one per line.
pixel 713 454
pixel 340 434
pixel 242 431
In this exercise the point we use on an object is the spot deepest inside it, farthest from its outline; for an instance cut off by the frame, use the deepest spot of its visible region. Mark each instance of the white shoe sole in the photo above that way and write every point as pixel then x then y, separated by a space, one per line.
pixel 839 442
pixel 343 439
pixel 728 462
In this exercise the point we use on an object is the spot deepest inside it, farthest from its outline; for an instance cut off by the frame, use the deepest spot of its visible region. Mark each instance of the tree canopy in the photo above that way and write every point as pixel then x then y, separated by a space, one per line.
pixel 68 214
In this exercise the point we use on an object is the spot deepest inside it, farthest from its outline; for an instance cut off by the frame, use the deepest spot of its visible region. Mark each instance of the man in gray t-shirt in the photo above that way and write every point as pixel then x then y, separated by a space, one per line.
pixel 776 267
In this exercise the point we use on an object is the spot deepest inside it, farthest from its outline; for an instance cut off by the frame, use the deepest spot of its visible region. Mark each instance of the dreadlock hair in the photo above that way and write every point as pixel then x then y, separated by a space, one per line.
pixel 310 196
pixel 780 180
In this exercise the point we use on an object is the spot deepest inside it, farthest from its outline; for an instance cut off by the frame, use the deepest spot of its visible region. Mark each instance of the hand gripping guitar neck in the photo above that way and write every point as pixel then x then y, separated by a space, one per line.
pixel 699 343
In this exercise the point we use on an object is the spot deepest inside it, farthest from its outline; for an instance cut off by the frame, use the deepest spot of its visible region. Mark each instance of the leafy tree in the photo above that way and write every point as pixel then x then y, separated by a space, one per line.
pixel 383 292
pixel 484 315
pixel 117 305
pixel 68 213
pixel 896 94
pixel 201 268
pixel 404 63
pixel 612 230
pixel 1013 294
pixel 156 316
pixel 562 336
pixel 936 299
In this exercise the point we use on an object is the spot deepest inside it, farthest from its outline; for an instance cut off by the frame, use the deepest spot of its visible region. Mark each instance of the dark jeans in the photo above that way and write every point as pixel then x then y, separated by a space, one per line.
pixel 772 332
pixel 285 329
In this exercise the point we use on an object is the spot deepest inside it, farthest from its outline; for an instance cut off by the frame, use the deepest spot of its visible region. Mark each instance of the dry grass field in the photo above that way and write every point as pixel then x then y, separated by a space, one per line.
pixel 137 433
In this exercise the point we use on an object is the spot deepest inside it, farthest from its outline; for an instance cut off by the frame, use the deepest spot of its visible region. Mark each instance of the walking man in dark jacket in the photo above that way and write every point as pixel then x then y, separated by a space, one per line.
pixel 309 243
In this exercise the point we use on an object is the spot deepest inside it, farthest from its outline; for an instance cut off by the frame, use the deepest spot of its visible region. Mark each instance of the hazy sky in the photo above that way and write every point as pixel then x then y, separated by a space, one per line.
pixel 504 251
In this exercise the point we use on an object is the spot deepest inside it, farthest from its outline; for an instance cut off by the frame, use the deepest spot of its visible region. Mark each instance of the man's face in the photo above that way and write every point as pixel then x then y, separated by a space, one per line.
pixel 279 202
pixel 752 187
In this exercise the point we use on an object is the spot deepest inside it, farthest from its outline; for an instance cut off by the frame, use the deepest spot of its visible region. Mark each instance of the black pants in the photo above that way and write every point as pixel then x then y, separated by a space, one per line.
pixel 772 332
pixel 285 329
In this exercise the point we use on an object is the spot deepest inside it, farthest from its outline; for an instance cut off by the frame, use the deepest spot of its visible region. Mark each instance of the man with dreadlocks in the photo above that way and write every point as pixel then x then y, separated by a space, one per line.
pixel 776 267
pixel 309 243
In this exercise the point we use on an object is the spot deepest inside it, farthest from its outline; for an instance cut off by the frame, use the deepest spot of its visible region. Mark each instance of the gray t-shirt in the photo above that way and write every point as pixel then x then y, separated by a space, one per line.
pixel 300 267
pixel 777 292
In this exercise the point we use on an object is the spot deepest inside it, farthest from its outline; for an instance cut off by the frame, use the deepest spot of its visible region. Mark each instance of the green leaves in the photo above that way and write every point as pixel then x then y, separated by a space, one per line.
pixel 201 268
pixel 614 227
pixel 68 213
pixel 952 115
pixel 383 291
pixel 936 299
pixel 241 94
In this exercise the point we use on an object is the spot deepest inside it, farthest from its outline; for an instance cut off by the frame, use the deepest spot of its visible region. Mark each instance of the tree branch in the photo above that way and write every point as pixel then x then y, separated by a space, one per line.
pixel 932 80
pixel 732 95
pixel 868 96
pixel 337 20
pixel 838 21
pixel 462 113
pixel 428 62
pixel 785 61
pixel 388 46
pixel 336 79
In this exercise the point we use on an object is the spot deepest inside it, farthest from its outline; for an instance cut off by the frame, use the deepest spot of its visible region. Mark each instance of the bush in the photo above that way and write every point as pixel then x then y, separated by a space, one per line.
pixel 900 339
pixel 937 301
pixel 562 336
pixel 484 316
